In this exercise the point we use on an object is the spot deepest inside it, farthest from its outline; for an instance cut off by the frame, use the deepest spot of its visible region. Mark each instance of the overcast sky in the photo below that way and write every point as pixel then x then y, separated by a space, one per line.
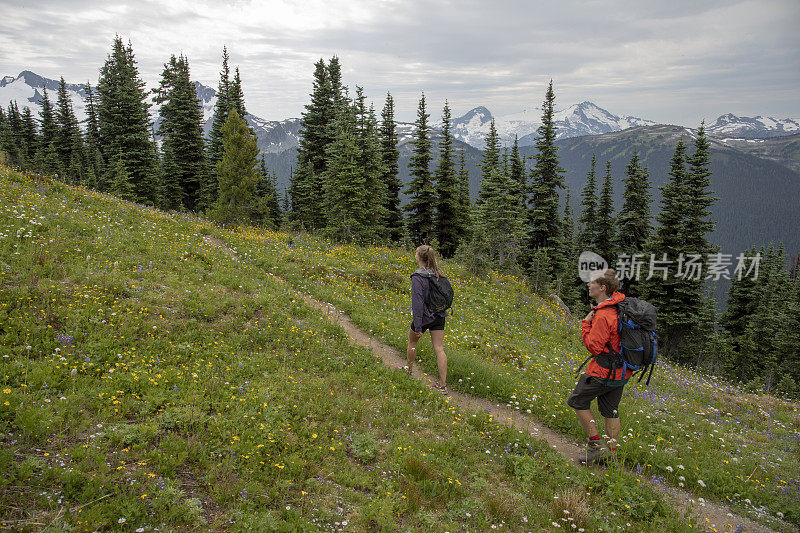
pixel 669 61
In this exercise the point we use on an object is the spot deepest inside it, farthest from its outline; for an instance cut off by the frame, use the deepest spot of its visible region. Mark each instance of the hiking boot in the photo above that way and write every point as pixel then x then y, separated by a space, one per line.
pixel 596 453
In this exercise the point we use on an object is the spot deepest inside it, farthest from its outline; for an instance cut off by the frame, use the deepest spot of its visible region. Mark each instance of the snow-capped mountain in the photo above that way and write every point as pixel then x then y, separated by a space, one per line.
pixel 578 119
pixel 759 127
pixel 27 90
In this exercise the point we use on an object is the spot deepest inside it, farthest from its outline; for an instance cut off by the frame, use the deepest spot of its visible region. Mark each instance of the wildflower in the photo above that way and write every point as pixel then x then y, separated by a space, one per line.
pixel 669 468
pixel 6 391
pixel 121 521
pixel 700 482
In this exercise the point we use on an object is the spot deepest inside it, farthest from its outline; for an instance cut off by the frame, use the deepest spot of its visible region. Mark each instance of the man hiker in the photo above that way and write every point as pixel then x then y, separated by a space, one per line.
pixel 603 378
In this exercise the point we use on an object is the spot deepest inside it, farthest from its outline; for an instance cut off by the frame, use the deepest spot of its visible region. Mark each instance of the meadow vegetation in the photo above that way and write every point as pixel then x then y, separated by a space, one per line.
pixel 150 380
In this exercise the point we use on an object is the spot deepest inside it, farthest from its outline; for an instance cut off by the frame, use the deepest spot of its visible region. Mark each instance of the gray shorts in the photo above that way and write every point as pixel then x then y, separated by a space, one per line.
pixel 588 388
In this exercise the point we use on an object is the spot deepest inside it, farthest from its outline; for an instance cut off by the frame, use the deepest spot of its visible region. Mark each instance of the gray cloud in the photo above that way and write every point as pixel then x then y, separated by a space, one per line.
pixel 667 61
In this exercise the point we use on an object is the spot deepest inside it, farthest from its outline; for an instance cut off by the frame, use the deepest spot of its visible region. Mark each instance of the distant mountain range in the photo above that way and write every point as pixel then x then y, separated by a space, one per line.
pixel 756 161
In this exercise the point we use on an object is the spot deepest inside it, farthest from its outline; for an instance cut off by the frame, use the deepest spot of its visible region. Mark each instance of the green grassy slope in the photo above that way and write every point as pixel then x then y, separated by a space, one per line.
pixel 685 430
pixel 150 381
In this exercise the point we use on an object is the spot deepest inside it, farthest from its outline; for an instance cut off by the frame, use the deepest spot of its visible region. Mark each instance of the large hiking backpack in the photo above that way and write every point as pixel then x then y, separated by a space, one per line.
pixel 637 336
pixel 440 294
pixel 638 341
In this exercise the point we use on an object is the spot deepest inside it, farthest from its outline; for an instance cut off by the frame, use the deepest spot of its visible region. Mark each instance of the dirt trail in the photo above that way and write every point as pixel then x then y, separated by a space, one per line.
pixel 715 516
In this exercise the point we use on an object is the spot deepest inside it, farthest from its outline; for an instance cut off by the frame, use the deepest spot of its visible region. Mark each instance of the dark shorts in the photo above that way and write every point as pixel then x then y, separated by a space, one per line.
pixel 436 325
pixel 588 388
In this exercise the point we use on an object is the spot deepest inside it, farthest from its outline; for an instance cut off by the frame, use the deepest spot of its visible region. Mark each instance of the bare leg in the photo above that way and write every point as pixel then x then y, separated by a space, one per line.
pixel 612 430
pixel 586 418
pixel 411 348
pixel 437 338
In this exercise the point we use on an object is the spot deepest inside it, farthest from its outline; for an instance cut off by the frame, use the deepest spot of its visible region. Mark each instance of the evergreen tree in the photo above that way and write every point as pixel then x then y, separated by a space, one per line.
pixel 346 194
pixel 517 174
pixel 316 134
pixel 391 183
pixel 8 146
pixel 209 190
pixel 237 172
pixel 181 129
pixel 119 179
pixel 335 76
pixel 768 323
pixel 47 161
pixel 499 220
pixel 368 144
pixel 634 218
pixel 448 192
pixel 69 142
pixel 92 124
pixel 125 122
pixel 677 298
pixel 546 178
pixel 491 158
pixel 267 191
pixel 221 108
pixel 464 218
pixel 698 223
pixel 588 238
pixel 30 138
pixel 95 164
pixel 236 96
pixel 606 231
pixel 571 286
pixel 420 207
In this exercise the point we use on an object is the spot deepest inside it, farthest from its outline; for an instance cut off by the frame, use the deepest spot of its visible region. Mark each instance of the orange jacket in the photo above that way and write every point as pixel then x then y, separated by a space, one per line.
pixel 602 330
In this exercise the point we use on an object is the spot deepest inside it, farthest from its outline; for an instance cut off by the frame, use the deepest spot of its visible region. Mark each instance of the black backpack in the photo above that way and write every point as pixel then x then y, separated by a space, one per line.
pixel 638 341
pixel 637 335
pixel 440 293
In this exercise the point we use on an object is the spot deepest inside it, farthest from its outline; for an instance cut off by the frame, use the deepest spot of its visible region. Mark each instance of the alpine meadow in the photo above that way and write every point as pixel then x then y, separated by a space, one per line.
pixel 192 340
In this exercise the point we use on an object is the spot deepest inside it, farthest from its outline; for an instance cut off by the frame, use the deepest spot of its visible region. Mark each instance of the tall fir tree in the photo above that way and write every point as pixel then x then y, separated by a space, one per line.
pixel 422 197
pixel 69 141
pixel 677 297
pixel 8 145
pixel 546 179
pixel 124 121
pixel 518 175
pixel 447 191
pixel 14 141
pixel 369 148
pixel 699 224
pixel 464 219
pixel 47 161
pixel 499 231
pixel 588 238
pixel 95 164
pixel 604 223
pixel 633 221
pixel 30 137
pixel 491 158
pixel 317 132
pixel 238 173
pixel 767 324
pixel 391 183
pixel 221 107
pixel 345 193
pixel 184 157
pixel 236 96
pixel 571 286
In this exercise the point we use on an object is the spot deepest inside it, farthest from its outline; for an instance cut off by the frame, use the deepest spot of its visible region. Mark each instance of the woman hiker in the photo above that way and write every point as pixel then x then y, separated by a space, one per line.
pixel 603 377
pixel 423 319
